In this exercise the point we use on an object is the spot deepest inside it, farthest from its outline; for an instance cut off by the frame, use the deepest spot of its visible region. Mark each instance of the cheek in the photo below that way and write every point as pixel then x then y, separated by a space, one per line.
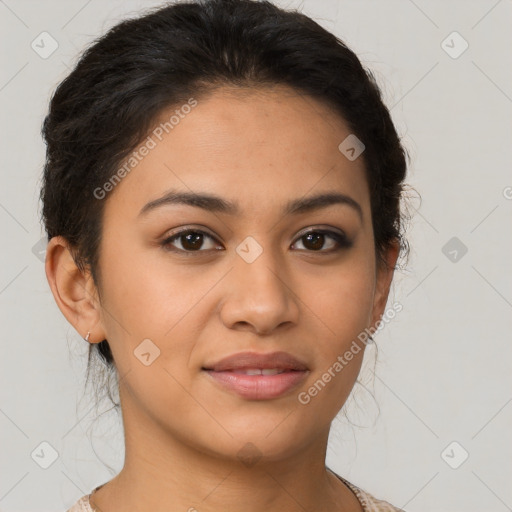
pixel 343 304
pixel 152 297
pixel 344 311
pixel 148 296
pixel 343 308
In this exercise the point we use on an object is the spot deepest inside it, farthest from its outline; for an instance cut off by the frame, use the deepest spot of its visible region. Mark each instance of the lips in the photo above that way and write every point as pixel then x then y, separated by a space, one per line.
pixel 258 376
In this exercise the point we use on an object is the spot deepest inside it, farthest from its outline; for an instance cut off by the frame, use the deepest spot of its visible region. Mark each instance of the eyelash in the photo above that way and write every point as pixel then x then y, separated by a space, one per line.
pixel 341 240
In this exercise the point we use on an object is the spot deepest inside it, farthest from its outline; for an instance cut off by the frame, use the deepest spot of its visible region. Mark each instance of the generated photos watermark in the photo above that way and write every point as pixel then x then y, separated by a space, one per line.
pixel 363 338
pixel 144 149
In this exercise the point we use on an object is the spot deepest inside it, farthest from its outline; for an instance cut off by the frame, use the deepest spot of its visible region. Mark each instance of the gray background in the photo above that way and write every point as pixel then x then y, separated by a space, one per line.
pixel 443 372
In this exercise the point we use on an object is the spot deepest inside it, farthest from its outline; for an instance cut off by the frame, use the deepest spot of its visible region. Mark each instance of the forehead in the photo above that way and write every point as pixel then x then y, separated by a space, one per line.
pixel 256 147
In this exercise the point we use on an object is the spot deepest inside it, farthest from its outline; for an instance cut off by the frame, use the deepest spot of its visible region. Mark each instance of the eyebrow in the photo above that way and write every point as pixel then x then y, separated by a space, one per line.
pixel 215 203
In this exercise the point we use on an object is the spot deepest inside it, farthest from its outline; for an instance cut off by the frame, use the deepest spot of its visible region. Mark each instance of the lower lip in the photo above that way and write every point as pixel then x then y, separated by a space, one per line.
pixel 258 387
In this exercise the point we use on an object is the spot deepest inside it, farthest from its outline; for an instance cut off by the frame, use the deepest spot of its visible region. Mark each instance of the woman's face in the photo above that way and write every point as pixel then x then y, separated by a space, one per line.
pixel 247 279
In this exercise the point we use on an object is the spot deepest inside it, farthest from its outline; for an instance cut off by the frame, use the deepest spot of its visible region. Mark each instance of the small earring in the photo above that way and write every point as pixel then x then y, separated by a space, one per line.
pixel 87 337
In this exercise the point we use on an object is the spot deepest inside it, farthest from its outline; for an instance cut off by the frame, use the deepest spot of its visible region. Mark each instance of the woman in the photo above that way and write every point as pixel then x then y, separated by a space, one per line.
pixel 222 201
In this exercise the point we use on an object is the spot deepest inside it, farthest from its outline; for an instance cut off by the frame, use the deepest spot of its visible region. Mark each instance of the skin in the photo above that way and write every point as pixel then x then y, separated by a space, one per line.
pixel 259 148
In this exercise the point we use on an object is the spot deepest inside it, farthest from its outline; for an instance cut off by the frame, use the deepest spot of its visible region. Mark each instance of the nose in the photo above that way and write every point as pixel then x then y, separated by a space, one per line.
pixel 259 296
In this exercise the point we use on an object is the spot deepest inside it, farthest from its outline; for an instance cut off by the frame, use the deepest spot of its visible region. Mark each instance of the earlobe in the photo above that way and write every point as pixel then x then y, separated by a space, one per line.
pixel 73 290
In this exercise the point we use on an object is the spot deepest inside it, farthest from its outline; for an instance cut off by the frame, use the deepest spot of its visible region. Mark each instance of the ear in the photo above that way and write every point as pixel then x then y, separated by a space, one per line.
pixel 74 290
pixel 383 283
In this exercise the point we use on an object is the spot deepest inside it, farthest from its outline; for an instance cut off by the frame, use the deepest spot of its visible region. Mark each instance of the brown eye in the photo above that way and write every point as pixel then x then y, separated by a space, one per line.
pixel 314 241
pixel 189 241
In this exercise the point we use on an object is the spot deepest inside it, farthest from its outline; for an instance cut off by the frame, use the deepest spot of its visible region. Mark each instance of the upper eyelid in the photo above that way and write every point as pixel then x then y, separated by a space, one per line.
pixel 187 230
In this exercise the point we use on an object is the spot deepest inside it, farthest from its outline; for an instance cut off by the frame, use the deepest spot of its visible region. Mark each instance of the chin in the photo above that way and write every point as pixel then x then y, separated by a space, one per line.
pixel 270 437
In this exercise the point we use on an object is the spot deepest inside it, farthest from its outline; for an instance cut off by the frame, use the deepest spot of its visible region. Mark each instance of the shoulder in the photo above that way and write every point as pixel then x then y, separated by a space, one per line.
pixel 82 505
pixel 369 502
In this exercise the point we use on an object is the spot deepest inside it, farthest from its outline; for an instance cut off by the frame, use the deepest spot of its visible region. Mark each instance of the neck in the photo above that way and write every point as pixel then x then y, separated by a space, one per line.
pixel 164 474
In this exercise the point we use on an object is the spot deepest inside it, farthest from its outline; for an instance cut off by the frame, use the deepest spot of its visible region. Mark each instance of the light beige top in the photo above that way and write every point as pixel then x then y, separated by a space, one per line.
pixel 368 502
